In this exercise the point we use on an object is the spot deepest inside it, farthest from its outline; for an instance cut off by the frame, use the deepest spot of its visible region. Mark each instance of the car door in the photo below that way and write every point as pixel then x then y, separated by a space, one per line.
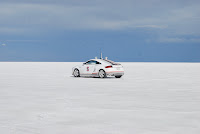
pixel 89 67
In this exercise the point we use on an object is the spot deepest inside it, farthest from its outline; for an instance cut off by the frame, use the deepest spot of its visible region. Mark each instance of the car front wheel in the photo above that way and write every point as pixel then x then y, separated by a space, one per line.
pixel 76 73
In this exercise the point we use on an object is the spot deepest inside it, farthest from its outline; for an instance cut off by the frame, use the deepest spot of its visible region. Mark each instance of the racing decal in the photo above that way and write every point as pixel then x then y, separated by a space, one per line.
pixel 87 68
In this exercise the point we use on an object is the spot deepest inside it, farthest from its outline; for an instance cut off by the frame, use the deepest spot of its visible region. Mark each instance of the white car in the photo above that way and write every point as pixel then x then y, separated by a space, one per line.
pixel 98 68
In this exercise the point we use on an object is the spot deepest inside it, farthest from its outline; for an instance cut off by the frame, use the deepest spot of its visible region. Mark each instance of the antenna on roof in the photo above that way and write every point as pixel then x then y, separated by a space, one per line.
pixel 101 54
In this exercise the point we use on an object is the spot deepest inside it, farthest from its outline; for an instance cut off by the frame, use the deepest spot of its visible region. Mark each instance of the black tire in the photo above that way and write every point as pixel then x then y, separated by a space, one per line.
pixel 102 74
pixel 119 76
pixel 76 73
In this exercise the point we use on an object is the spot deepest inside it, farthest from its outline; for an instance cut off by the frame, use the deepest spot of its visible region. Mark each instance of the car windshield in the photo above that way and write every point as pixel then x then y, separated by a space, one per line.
pixel 112 62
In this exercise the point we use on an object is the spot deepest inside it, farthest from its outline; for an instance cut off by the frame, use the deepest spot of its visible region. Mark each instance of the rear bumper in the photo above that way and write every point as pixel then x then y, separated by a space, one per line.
pixel 115 73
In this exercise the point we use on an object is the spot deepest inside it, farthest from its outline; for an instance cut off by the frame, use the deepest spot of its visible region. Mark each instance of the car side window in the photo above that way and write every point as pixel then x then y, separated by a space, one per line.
pixel 92 62
pixel 98 62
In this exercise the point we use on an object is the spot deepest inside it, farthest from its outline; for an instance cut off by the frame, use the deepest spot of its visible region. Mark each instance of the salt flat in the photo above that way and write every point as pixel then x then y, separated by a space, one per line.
pixel 151 98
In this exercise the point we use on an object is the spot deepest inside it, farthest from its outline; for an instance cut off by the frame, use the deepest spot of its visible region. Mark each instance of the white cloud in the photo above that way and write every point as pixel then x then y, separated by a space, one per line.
pixel 13 30
pixel 178 40
pixel 3 44
pixel 152 26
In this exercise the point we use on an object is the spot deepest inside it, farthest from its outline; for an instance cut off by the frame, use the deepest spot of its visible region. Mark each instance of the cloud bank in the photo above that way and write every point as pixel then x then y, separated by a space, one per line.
pixel 179 17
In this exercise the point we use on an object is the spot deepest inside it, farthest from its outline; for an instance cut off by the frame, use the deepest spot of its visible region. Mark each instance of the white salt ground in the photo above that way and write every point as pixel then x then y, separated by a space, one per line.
pixel 151 98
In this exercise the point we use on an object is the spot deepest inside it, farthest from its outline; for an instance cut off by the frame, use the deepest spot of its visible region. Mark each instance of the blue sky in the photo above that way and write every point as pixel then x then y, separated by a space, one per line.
pixel 75 30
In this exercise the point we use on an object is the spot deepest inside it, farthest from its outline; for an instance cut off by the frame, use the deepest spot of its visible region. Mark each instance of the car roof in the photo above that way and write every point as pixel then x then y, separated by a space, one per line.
pixel 105 61
pixel 100 60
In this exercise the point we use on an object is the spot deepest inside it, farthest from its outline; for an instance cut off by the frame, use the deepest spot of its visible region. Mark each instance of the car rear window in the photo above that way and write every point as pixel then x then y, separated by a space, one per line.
pixel 112 62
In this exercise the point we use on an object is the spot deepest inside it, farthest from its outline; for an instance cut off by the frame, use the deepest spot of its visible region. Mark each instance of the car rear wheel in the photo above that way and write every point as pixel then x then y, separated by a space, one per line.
pixel 102 74
pixel 119 76
pixel 76 73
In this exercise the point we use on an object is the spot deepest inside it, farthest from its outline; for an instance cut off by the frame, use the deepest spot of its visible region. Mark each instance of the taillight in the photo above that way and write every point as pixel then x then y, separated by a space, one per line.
pixel 108 67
